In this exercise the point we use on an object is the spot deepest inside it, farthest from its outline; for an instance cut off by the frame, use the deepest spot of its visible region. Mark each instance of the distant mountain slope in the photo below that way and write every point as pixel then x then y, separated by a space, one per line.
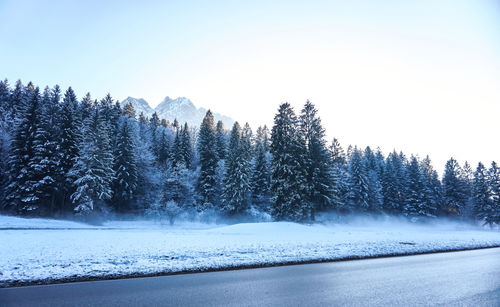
pixel 140 105
pixel 180 108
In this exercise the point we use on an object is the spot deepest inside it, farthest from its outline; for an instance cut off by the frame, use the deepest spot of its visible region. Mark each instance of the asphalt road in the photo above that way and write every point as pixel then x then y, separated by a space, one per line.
pixel 469 278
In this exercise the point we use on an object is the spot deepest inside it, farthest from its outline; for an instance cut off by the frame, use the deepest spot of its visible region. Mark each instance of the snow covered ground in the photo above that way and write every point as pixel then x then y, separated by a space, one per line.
pixel 42 250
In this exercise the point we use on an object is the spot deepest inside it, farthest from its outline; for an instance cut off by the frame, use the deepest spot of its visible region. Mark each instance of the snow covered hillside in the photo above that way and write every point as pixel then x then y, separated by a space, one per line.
pixel 71 251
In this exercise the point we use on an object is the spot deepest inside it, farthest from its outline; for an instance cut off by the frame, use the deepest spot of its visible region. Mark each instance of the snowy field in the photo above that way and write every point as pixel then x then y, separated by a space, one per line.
pixel 42 250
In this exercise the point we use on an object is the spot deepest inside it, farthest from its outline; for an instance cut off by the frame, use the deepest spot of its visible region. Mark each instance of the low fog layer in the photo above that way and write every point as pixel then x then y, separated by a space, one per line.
pixel 43 250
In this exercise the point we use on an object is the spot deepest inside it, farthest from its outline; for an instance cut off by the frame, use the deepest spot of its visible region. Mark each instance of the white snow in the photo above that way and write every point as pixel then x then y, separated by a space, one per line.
pixel 8 222
pixel 67 250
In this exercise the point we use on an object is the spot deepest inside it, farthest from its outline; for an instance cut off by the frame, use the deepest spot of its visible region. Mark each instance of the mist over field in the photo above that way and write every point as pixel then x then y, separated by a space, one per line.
pixel 48 250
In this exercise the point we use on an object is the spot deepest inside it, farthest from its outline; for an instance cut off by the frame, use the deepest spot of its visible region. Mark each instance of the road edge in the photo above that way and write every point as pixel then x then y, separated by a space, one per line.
pixel 44 282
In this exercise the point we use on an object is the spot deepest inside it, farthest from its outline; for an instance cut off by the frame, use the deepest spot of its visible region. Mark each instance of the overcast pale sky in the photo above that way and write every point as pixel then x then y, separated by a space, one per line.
pixel 418 76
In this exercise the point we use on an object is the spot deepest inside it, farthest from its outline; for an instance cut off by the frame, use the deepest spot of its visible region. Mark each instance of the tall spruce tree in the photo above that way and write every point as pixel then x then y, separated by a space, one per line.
pixel 288 186
pixel 492 214
pixel 112 115
pixel 337 152
pixel 154 134
pixel 68 145
pixel 125 168
pixel 481 192
pixel 6 122
pixel 23 194
pixel 322 190
pixel 258 138
pixel 265 139
pixel 163 148
pixel 93 170
pixel 148 175
pixel 208 161
pixel 454 191
pixel 340 174
pixel 393 184
pixel 432 186
pixel 5 103
pixel 176 156
pixel 108 111
pixel 47 156
pixel 220 140
pixel 6 108
pixel 247 154
pixel 358 189
pixel 416 202
pixel 186 146
pixel 85 108
pixel 373 166
pixel 467 178
pixel 237 181
pixel 17 100
pixel 261 179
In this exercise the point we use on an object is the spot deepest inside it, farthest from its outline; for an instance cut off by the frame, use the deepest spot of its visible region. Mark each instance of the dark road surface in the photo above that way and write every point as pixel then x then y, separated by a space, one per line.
pixel 469 278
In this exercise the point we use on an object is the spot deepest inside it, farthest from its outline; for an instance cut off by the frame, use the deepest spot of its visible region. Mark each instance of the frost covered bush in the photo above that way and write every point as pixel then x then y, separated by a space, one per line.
pixel 161 210
pixel 172 210
pixel 257 214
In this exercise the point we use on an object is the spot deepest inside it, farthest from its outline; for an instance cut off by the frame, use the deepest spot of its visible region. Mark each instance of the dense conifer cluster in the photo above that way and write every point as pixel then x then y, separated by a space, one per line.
pixel 61 156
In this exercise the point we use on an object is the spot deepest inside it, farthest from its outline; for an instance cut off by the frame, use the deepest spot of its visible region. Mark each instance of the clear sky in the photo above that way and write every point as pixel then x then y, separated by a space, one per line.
pixel 418 76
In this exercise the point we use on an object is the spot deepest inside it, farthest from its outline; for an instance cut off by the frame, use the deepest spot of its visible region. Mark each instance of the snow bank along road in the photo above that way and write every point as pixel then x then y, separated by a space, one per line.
pixel 466 278
pixel 69 251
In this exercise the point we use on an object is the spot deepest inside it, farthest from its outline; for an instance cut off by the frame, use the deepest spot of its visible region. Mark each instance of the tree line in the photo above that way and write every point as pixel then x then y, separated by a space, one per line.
pixel 61 156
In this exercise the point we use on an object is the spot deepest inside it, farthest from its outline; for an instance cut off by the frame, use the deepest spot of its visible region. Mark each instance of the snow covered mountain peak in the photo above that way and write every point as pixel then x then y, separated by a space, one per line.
pixel 140 105
pixel 175 107
pixel 180 108
pixel 178 100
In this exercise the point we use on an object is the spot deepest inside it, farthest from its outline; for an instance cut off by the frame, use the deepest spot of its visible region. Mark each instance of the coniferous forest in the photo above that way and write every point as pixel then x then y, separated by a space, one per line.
pixel 62 156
